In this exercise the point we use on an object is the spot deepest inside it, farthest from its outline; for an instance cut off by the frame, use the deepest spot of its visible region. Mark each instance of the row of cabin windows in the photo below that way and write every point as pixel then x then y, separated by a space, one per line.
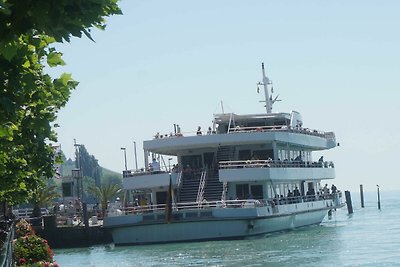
pixel 245 191
pixel 208 158
pixel 223 128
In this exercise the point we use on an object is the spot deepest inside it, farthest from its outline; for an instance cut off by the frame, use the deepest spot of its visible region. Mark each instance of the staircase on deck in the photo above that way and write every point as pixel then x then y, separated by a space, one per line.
pixel 213 187
pixel 189 189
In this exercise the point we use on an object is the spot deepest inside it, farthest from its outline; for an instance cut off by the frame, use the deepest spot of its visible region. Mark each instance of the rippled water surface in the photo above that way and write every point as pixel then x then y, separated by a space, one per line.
pixel 366 238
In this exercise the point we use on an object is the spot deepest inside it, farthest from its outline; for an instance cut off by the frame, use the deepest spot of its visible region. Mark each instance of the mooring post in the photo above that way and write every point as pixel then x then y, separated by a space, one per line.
pixel 85 215
pixel 379 198
pixel 348 202
pixel 362 195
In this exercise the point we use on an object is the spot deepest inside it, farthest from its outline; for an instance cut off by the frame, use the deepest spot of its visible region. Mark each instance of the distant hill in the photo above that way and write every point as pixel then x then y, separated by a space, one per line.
pixel 106 175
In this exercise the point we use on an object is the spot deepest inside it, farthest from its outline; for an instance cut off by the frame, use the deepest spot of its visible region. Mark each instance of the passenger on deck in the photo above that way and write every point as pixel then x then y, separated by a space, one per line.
pixel 325 190
pixel 175 168
pixel 321 161
pixel 310 194
pixel 333 189
pixel 209 131
pixel 156 165
pixel 296 194
pixel 199 131
pixel 290 197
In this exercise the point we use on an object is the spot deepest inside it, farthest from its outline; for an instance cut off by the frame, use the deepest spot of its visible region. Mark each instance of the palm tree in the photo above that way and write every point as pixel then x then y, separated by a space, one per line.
pixel 104 193
pixel 42 197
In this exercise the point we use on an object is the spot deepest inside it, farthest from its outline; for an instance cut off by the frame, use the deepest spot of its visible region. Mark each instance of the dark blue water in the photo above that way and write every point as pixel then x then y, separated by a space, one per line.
pixel 366 238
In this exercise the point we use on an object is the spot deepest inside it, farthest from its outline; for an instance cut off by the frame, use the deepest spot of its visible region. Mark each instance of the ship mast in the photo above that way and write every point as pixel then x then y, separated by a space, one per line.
pixel 268 98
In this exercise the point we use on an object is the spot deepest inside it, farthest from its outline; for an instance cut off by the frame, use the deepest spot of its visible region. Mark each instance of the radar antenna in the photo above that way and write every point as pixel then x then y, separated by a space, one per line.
pixel 268 99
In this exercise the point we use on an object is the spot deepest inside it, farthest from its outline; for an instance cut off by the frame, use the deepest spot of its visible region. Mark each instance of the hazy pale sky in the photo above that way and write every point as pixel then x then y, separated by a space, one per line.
pixel 166 62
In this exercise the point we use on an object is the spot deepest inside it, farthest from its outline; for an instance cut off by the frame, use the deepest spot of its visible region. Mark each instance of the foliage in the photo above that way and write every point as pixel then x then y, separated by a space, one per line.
pixel 89 165
pixel 30 249
pixel 105 193
pixel 23 228
pixel 30 98
pixel 93 173
pixel 43 196
pixel 111 177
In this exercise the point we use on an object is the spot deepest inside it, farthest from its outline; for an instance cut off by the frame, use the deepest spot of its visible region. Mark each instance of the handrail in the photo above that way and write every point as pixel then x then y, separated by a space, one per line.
pixel 274 164
pixel 229 124
pixel 130 173
pixel 238 203
pixel 202 183
pixel 224 189
pixel 7 251
pixel 275 128
pixel 179 179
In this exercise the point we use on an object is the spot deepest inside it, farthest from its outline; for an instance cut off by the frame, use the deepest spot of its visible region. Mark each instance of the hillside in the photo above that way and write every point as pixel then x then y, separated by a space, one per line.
pixel 91 170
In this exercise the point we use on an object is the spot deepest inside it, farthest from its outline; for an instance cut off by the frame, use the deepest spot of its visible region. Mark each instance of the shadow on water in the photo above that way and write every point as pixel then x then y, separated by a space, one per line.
pixel 367 238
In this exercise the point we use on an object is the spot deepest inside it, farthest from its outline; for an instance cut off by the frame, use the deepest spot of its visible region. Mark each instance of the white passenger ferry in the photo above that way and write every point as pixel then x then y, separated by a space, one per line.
pixel 247 175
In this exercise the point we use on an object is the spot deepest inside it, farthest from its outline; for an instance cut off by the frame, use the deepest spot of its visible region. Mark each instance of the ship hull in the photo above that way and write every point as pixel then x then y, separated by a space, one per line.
pixel 212 229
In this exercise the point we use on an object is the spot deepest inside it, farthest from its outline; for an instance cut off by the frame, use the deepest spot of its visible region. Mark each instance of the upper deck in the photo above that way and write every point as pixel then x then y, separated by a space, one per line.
pixel 231 130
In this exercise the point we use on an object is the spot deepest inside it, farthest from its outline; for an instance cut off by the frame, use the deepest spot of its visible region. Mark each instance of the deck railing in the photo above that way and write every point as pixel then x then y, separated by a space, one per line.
pixel 239 129
pixel 131 173
pixel 6 251
pixel 239 203
pixel 274 164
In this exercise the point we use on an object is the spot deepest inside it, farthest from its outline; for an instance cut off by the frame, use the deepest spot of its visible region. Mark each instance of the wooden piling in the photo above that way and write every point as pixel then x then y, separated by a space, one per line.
pixel 85 215
pixel 379 198
pixel 348 202
pixel 362 195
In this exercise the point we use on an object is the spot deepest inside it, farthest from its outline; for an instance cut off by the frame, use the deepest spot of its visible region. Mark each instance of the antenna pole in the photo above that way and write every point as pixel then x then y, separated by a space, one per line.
pixel 268 104
pixel 222 107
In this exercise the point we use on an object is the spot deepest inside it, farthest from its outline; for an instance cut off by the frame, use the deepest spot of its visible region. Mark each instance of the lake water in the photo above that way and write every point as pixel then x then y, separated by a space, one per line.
pixel 368 237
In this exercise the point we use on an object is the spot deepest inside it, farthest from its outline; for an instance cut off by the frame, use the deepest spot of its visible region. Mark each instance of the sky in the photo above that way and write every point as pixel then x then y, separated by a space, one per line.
pixel 166 62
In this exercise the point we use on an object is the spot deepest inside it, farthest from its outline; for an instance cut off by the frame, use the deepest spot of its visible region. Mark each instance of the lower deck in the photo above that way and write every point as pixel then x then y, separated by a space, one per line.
pixel 215 220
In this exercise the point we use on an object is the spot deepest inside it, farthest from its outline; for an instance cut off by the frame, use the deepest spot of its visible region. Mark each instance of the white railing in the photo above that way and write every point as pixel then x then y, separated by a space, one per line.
pixel 238 203
pixel 275 128
pixel 274 164
pixel 132 173
pixel 179 179
pixel 224 190
pixel 28 212
pixel 202 183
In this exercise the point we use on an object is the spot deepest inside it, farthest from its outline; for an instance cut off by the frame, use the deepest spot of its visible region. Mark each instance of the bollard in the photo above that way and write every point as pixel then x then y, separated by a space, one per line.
pixel 362 195
pixel 85 215
pixel 379 198
pixel 348 202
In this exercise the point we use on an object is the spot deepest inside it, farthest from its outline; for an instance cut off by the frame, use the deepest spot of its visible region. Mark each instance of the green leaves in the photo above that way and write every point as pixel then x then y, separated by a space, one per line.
pixel 30 98
pixel 7 131
pixel 8 50
pixel 54 59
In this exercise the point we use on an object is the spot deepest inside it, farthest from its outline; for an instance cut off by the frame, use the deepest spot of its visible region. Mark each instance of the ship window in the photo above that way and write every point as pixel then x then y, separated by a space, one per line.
pixel 222 128
pixel 263 154
pixel 244 154
pixel 67 189
pixel 257 191
pixel 194 161
pixel 161 197
pixel 242 191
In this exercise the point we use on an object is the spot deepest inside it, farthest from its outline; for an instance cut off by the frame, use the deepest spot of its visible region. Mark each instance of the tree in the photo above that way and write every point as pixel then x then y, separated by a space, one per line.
pixel 43 196
pixel 30 98
pixel 89 164
pixel 105 193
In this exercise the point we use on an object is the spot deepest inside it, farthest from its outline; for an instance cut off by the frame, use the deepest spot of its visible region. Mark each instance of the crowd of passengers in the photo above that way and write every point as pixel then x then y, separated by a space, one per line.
pixel 311 195
pixel 239 128
pixel 269 162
